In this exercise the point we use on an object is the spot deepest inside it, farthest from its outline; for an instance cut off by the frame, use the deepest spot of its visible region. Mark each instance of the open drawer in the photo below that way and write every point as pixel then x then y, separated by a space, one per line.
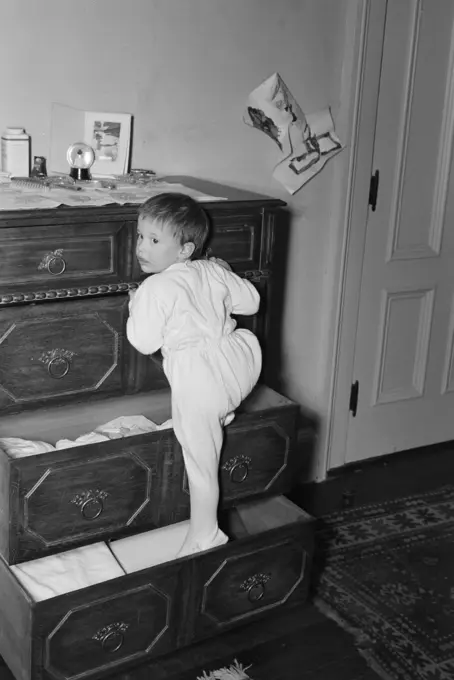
pixel 108 626
pixel 72 496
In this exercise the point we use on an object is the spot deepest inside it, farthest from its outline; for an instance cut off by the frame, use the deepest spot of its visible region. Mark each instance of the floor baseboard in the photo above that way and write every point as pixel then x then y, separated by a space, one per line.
pixel 378 480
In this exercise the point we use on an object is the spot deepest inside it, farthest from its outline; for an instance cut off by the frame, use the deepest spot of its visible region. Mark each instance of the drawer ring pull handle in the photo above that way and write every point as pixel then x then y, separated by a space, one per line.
pixel 92 508
pixel 58 362
pixel 112 636
pixel 58 367
pixel 255 593
pixel 238 468
pixel 254 586
pixel 90 503
pixel 53 262
pixel 112 641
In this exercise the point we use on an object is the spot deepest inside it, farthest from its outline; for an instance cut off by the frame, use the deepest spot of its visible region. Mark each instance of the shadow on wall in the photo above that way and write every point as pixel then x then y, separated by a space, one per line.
pixel 309 422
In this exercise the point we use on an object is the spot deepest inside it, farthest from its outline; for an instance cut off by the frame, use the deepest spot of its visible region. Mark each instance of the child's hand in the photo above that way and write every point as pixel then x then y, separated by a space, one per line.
pixel 221 262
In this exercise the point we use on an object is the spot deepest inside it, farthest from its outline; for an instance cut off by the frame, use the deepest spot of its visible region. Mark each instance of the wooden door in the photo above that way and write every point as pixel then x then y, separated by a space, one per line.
pixel 404 348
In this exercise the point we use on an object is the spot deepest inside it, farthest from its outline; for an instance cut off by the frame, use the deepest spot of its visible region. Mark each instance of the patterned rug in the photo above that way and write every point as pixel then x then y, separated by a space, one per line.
pixel 388 576
pixel 234 672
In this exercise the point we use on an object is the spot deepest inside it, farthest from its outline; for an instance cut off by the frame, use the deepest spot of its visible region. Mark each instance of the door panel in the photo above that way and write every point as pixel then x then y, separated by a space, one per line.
pixel 403 352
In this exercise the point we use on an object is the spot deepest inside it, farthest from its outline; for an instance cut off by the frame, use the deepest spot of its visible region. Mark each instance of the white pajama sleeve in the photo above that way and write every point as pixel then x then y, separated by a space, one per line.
pixel 147 318
pixel 243 294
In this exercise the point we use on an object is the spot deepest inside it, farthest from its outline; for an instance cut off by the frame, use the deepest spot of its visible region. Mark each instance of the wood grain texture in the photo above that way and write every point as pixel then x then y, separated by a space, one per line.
pixel 258 456
pixel 233 195
pixel 99 630
pixel 5 508
pixel 60 350
pixel 46 256
pixel 66 368
pixel 100 262
pixel 108 489
pixel 78 495
pixel 252 577
pixel 16 618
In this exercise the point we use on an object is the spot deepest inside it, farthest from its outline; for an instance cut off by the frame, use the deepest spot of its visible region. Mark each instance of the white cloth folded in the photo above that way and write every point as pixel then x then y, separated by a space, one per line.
pixel 123 426
pixel 151 547
pixel 18 448
pixel 127 426
pixel 67 571
pixel 160 545
pixel 83 440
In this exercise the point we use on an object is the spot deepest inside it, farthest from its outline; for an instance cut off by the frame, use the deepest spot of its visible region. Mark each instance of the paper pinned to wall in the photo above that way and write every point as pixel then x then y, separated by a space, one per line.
pixel 306 142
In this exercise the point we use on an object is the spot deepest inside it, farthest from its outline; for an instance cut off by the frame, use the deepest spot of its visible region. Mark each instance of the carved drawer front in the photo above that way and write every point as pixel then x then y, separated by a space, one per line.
pixel 42 258
pixel 60 350
pixel 103 627
pixel 98 630
pixel 83 500
pixel 74 496
pixel 258 454
pixel 237 238
pixel 252 577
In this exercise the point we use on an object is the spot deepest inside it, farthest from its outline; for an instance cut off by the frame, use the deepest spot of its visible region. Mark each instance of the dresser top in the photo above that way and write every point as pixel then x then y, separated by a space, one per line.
pixel 230 193
pixel 233 198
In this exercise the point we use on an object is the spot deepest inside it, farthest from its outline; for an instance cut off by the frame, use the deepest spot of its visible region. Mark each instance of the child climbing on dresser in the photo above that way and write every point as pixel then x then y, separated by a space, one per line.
pixel 185 309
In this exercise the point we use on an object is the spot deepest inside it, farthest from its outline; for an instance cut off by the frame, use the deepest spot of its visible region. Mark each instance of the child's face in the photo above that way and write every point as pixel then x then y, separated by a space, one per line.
pixel 157 248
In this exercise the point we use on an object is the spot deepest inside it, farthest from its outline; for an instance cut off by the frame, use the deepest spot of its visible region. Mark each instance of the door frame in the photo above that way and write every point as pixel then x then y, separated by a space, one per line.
pixel 364 38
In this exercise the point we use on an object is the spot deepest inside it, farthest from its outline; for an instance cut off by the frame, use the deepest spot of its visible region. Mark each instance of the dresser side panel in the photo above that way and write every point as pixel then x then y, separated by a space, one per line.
pixel 5 510
pixel 16 613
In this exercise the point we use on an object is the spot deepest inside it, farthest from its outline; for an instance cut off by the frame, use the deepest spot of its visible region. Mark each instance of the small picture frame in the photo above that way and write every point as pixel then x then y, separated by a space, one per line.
pixel 109 134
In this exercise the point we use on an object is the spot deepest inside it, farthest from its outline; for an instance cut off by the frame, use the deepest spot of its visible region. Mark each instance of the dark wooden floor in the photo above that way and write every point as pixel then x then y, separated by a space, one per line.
pixel 300 644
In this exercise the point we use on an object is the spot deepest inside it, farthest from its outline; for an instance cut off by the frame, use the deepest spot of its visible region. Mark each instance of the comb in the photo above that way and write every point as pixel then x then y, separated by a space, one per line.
pixel 30 184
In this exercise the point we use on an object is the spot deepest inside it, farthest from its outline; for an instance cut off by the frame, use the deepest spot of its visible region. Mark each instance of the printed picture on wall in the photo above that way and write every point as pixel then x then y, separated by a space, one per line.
pixel 109 134
pixel 106 140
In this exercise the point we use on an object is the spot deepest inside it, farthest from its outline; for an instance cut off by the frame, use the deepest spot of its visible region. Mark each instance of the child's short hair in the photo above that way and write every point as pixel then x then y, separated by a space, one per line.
pixel 182 214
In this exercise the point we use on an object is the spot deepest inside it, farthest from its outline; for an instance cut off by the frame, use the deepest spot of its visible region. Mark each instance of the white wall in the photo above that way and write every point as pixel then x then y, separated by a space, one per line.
pixel 184 69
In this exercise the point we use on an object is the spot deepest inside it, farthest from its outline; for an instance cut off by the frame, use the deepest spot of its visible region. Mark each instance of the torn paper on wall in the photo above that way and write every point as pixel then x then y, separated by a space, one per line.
pixel 306 142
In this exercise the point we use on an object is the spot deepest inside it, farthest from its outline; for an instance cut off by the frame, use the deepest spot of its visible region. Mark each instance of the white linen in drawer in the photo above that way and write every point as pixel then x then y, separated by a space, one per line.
pixel 62 573
pixel 150 547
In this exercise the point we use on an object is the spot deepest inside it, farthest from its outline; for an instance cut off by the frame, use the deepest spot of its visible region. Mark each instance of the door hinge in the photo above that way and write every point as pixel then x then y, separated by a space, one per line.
pixel 373 190
pixel 354 393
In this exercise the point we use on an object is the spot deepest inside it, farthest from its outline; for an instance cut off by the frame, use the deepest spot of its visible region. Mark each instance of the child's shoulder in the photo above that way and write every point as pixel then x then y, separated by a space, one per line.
pixel 158 283
pixel 212 265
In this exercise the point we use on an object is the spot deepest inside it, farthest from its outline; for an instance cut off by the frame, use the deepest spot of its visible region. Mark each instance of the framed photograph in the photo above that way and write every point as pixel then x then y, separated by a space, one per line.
pixel 109 134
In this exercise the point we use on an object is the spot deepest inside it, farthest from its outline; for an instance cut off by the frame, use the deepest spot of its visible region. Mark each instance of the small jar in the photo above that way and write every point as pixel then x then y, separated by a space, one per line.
pixel 16 152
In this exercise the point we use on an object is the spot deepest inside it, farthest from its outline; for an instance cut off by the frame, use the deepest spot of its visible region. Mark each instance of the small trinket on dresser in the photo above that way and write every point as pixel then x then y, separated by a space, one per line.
pixel 16 152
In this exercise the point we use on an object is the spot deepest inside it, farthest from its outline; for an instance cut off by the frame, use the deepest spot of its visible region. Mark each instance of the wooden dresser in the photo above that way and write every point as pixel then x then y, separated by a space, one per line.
pixel 65 368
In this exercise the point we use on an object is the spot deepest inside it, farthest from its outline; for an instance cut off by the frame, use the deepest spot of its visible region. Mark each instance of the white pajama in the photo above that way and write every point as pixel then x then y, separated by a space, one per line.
pixel 211 367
